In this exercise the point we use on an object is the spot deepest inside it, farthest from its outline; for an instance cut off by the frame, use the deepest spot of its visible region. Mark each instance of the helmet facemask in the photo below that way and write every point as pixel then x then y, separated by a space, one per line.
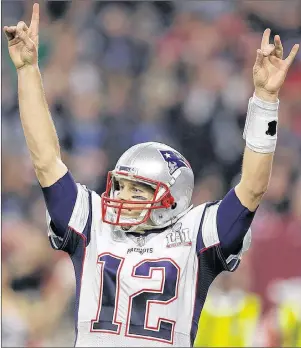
pixel 112 206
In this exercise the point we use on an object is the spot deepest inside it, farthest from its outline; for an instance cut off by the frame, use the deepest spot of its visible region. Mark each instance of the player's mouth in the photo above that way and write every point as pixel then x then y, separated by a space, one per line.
pixel 129 210
pixel 125 211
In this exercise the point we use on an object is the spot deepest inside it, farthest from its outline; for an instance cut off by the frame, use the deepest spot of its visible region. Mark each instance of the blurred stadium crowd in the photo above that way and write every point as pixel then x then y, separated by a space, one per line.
pixel 116 74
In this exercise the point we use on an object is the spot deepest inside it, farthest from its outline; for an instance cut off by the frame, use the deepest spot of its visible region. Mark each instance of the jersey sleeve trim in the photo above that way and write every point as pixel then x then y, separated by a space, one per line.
pixel 79 224
pixel 57 242
pixel 210 238
pixel 233 261
pixel 205 249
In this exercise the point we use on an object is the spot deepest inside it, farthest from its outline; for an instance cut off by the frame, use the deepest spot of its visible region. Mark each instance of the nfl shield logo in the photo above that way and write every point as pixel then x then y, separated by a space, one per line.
pixel 140 241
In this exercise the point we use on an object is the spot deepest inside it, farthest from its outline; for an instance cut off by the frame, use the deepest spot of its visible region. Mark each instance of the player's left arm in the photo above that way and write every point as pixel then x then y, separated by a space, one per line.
pixel 236 211
pixel 260 133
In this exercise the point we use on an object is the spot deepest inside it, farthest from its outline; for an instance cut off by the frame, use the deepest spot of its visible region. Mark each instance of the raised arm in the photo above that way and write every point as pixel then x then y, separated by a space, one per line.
pixel 59 189
pixel 236 211
pixel 39 130
pixel 260 133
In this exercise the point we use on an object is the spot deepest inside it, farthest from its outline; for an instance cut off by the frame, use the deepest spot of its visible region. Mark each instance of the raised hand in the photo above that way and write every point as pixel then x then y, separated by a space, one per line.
pixel 23 41
pixel 270 68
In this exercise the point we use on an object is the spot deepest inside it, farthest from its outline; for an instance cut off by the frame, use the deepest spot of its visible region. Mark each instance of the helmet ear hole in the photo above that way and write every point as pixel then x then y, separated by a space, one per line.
pixel 168 201
pixel 174 205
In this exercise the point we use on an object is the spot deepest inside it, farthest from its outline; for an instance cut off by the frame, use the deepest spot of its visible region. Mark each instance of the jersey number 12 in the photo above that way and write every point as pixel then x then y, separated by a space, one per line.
pixel 139 303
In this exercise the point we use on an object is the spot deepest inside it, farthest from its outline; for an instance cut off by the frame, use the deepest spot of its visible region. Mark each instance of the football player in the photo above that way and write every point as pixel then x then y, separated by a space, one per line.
pixel 143 257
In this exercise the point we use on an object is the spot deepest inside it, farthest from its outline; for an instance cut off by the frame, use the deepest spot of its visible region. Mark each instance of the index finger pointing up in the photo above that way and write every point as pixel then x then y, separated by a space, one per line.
pixel 265 38
pixel 34 24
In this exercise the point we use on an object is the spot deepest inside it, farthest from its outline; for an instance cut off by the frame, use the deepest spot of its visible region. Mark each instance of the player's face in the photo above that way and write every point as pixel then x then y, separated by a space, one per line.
pixel 132 191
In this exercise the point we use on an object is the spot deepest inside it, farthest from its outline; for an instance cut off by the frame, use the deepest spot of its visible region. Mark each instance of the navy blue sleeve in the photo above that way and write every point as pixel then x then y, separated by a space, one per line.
pixel 233 222
pixel 60 199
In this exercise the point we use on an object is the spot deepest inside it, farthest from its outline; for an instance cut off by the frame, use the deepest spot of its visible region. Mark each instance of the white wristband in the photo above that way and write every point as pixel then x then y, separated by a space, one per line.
pixel 260 130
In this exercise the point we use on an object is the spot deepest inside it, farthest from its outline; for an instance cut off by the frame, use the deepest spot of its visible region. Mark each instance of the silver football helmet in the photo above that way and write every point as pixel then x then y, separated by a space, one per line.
pixel 162 168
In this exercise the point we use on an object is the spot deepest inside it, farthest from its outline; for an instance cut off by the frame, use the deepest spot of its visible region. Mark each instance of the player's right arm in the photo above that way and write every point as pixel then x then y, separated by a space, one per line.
pixel 38 127
pixel 67 203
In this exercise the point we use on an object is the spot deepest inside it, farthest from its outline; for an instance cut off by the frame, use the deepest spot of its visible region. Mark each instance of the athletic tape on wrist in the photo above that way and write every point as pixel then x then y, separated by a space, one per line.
pixel 261 124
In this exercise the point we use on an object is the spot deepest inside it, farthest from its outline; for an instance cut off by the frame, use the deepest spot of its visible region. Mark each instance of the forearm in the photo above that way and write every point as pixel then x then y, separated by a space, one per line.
pixel 36 120
pixel 259 152
pixel 39 130
pixel 256 172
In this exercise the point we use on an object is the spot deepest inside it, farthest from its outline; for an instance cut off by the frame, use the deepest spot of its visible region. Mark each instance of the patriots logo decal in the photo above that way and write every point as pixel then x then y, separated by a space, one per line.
pixel 174 160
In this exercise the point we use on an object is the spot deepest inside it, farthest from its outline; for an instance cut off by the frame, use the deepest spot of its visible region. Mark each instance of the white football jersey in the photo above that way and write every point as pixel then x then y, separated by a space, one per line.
pixel 141 290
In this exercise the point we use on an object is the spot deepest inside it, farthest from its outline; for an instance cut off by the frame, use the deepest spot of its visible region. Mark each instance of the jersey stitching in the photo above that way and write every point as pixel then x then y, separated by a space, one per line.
pixel 67 238
pixel 221 257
